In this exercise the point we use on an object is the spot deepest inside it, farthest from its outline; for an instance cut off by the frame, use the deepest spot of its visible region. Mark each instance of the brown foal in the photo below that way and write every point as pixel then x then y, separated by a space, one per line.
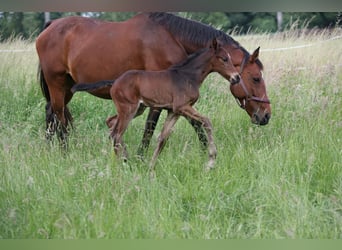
pixel 175 89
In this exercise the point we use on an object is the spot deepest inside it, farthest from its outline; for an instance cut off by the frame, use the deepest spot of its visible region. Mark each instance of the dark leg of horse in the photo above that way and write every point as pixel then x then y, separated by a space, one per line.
pixel 58 116
pixel 55 123
pixel 190 113
pixel 200 132
pixel 51 122
pixel 170 121
pixel 150 125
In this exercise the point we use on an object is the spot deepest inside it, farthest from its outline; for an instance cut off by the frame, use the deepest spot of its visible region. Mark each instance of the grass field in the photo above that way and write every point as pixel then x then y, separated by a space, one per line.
pixel 283 180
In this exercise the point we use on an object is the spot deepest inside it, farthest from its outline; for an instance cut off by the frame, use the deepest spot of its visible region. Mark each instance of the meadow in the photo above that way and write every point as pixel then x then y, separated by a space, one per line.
pixel 283 180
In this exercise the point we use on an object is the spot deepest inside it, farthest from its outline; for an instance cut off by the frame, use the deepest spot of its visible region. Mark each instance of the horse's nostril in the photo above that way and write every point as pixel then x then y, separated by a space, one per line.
pixel 256 117
pixel 267 116
pixel 265 119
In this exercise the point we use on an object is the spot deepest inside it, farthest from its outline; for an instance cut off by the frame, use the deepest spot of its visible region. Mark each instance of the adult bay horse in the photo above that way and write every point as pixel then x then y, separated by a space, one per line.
pixel 79 49
pixel 177 94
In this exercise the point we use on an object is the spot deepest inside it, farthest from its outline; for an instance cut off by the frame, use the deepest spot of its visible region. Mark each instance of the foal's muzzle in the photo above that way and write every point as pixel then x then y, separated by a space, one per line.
pixel 235 79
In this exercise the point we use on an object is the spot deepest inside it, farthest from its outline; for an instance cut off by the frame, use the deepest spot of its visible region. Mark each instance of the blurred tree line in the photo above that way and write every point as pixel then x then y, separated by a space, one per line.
pixel 29 24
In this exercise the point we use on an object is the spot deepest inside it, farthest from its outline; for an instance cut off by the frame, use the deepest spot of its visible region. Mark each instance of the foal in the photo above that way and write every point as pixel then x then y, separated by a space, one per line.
pixel 175 89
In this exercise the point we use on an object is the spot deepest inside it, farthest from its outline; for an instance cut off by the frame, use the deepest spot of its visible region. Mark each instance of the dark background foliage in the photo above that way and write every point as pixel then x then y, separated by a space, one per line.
pixel 29 24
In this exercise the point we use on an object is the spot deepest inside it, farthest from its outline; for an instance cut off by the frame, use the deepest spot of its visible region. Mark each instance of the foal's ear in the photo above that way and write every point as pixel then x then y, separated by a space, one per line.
pixel 255 55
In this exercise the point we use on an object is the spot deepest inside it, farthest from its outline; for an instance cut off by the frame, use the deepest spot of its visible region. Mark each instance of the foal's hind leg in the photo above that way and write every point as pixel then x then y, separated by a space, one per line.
pixel 119 124
pixel 116 129
pixel 111 123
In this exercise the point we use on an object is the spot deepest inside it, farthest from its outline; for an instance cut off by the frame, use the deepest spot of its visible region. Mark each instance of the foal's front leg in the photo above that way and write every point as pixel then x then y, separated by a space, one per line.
pixel 198 127
pixel 190 113
pixel 170 121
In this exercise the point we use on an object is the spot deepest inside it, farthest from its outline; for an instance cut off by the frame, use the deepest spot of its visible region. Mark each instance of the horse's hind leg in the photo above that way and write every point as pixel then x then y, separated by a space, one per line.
pixel 58 116
pixel 51 122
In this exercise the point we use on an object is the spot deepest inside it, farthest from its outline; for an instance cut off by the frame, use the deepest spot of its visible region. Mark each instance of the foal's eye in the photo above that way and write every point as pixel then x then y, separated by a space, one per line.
pixel 225 59
pixel 256 79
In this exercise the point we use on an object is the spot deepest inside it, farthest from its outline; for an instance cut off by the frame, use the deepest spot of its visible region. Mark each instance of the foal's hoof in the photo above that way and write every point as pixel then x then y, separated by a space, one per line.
pixel 152 175
pixel 210 165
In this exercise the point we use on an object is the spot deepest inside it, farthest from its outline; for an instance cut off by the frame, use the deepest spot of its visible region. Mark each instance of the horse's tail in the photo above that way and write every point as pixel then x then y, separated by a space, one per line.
pixel 43 85
pixel 91 86
pixel 40 74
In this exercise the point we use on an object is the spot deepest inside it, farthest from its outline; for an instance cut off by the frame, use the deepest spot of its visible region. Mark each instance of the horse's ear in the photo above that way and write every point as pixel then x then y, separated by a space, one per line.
pixel 255 55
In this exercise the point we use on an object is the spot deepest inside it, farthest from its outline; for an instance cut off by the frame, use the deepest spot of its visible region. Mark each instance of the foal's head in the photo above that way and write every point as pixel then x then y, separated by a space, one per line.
pixel 222 63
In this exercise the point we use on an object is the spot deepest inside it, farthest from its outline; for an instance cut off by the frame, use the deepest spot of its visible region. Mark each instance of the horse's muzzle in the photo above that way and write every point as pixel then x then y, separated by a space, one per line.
pixel 256 119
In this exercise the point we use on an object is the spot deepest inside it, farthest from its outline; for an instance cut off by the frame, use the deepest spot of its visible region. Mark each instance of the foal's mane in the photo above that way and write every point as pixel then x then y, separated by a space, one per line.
pixel 194 32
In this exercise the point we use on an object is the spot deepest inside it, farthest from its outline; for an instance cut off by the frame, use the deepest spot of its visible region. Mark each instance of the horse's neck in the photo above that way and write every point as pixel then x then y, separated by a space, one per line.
pixel 197 72
pixel 190 47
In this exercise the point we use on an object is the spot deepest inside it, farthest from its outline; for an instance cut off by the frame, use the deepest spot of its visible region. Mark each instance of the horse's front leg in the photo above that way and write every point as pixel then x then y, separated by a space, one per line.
pixel 150 125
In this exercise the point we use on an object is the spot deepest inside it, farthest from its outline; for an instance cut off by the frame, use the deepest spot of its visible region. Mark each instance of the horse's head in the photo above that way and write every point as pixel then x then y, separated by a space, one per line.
pixel 222 63
pixel 250 92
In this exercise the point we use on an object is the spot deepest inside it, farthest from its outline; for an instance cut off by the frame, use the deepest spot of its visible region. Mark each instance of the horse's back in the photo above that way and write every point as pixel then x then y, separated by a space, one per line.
pixel 92 50
pixel 70 39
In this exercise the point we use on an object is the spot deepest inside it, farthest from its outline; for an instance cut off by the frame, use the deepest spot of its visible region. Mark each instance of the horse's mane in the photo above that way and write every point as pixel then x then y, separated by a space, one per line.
pixel 190 30
pixel 193 31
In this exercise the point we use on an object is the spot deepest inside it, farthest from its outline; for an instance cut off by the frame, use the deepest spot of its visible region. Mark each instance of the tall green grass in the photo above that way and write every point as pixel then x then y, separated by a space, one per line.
pixel 283 180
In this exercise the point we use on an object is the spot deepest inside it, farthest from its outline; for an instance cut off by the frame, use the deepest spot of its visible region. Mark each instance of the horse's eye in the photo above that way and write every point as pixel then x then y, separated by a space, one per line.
pixel 225 59
pixel 256 79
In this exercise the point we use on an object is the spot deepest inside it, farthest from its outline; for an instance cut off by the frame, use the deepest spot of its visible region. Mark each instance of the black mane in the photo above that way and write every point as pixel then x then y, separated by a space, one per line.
pixel 194 32
pixel 190 30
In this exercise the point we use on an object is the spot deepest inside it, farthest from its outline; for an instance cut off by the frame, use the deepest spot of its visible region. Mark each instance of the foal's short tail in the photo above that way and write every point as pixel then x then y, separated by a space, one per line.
pixel 91 86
